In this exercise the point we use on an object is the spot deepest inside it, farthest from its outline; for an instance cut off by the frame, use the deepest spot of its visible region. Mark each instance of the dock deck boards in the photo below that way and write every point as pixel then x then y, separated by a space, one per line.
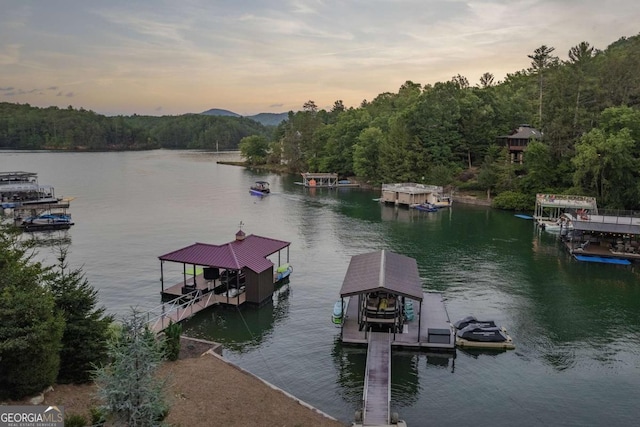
pixel 377 394
pixel 432 314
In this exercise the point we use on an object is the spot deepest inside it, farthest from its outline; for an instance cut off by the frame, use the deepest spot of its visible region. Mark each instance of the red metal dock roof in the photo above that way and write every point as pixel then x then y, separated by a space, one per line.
pixel 250 252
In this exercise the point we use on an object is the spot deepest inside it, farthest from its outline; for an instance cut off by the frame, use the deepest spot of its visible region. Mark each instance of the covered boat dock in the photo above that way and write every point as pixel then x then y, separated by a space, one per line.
pixel 380 287
pixel 411 194
pixel 235 273
pixel 324 180
pixel 607 238
pixel 385 293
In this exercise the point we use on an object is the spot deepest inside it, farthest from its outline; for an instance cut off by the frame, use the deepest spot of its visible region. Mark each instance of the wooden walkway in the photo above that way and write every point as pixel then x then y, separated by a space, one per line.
pixel 432 332
pixel 179 309
pixel 377 381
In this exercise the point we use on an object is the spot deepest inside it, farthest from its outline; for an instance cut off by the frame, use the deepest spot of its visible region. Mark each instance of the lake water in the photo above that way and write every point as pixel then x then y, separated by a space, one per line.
pixel 576 326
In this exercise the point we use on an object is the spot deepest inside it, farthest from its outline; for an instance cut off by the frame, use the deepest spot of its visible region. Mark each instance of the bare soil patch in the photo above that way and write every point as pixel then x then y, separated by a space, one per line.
pixel 205 390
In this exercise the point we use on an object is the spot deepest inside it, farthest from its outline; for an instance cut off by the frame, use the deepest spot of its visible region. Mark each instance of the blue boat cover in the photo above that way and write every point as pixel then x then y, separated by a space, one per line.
pixel 602 260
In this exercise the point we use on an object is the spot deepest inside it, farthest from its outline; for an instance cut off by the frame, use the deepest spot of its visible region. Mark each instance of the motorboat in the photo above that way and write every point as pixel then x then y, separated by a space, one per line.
pixel 426 207
pixel 260 188
pixel 555 225
pixel 471 332
pixel 47 221
pixel 338 313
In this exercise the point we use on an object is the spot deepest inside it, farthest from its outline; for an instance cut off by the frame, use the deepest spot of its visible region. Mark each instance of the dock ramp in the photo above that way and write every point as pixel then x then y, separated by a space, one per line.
pixel 377 381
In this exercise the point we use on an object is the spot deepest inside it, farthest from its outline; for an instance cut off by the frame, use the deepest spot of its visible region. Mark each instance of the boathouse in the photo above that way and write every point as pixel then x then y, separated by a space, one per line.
pixel 550 207
pixel 324 180
pixel 385 293
pixel 611 237
pixel 410 194
pixel 235 273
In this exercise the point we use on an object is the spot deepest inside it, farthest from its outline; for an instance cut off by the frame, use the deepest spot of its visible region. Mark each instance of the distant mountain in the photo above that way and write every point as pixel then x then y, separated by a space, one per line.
pixel 219 112
pixel 270 119
pixel 266 119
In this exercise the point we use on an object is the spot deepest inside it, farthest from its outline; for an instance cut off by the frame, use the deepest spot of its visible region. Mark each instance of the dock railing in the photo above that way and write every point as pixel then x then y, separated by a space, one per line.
pixel 178 309
pixel 614 216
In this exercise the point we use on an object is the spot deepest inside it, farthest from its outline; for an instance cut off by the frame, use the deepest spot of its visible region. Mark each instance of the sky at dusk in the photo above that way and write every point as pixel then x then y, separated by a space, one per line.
pixel 251 56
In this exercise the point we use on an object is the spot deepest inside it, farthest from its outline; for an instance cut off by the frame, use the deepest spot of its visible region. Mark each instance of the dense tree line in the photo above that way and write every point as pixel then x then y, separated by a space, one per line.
pixel 53 128
pixel 447 133
pixel 51 329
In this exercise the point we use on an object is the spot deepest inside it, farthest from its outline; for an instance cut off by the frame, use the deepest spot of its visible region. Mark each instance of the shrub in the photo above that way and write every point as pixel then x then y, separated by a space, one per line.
pixel 172 341
pixel 74 420
pixel 512 200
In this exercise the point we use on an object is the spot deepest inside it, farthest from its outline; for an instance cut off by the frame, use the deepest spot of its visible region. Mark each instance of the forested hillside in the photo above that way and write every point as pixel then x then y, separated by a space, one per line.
pixel 26 127
pixel 585 101
pixel 586 105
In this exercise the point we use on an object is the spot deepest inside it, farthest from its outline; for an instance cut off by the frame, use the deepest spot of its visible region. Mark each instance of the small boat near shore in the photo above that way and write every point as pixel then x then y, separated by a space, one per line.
pixel 426 207
pixel 47 221
pixel 260 188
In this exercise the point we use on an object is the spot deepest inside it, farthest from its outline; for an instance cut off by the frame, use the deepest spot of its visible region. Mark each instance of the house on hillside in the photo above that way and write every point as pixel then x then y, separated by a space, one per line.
pixel 518 140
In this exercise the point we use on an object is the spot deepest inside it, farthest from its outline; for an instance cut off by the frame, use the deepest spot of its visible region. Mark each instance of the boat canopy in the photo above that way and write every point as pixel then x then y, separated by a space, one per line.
pixel 250 251
pixel 380 271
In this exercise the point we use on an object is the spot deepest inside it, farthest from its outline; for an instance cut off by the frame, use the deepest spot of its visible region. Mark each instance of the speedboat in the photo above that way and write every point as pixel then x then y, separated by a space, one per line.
pixel 338 313
pixel 47 221
pixel 260 188
pixel 426 207
pixel 471 332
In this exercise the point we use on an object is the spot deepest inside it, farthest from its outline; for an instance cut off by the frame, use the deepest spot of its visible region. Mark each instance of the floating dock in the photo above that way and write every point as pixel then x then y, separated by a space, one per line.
pixel 411 194
pixel 324 180
pixel 429 330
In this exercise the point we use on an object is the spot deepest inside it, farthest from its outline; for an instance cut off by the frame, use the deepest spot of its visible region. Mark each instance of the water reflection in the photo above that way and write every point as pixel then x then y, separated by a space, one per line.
pixel 351 364
pixel 240 330
pixel 46 239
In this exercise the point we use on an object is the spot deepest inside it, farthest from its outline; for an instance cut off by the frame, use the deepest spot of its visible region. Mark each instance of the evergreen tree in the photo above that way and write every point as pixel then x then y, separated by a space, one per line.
pixel 132 393
pixel 30 329
pixel 84 341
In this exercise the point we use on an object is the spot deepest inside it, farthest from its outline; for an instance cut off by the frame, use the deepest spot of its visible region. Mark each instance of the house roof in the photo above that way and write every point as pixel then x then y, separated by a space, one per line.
pixel 524 132
pixel 382 270
pixel 250 252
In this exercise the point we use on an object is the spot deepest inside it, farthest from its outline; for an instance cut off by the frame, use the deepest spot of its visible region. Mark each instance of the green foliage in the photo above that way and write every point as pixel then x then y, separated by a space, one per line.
pixel 27 127
pixel 172 341
pixel 254 149
pixel 128 386
pixel 366 154
pixel 420 129
pixel 30 328
pixel 84 341
pixel 512 200
pixel 75 420
pixel 98 416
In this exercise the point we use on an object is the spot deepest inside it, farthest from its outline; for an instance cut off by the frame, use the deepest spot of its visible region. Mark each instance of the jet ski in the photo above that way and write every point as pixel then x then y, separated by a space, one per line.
pixel 471 332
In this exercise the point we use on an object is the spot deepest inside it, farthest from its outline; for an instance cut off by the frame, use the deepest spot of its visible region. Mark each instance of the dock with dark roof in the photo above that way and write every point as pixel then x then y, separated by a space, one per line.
pixel 233 274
